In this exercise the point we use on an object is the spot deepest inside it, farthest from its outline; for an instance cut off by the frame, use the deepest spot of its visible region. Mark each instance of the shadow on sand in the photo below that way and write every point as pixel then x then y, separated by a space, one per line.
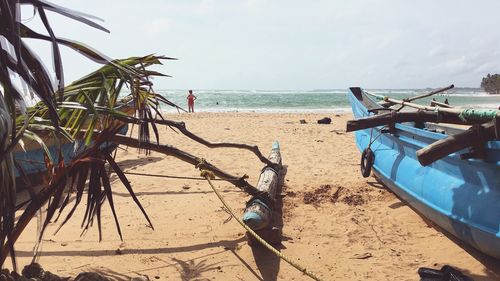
pixel 110 274
pixel 129 163
pixel 191 270
pixel 492 265
pixel 159 250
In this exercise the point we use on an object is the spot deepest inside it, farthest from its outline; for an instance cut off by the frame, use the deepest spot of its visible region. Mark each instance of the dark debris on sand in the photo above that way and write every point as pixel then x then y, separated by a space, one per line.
pixel 354 200
pixel 333 194
pixel 35 272
pixel 30 272
pixel 322 194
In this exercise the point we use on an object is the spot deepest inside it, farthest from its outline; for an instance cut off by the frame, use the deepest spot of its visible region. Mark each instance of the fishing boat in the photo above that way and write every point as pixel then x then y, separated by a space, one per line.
pixel 458 192
pixel 31 158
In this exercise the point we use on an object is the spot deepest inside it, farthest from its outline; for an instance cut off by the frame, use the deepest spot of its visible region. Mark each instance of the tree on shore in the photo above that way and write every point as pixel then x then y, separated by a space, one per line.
pixel 491 84
pixel 76 126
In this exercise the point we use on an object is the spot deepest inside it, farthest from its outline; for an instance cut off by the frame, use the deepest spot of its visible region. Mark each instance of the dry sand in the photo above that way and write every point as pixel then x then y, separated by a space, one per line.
pixel 365 234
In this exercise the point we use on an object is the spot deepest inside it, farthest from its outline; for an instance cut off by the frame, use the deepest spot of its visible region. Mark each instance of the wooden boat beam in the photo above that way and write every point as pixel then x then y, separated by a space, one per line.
pixel 440 104
pixel 400 117
pixel 474 137
pixel 432 93
pixel 497 127
pixel 261 211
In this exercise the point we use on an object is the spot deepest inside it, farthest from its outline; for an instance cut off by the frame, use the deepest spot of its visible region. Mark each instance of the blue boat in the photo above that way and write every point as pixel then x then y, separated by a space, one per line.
pixel 460 196
pixel 30 158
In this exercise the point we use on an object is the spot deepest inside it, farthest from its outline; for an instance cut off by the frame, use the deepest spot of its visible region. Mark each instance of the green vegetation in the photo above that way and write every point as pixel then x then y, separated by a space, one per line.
pixel 85 114
pixel 491 84
pixel 88 116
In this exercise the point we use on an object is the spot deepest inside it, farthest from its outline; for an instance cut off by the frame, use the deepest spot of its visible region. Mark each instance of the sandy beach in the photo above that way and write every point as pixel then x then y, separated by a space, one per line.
pixel 338 224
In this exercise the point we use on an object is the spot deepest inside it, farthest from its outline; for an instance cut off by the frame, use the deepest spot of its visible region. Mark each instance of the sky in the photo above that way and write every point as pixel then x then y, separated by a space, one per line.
pixel 290 45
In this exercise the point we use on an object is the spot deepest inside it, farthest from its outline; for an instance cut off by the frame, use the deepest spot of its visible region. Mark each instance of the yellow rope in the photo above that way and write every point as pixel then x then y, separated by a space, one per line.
pixel 262 241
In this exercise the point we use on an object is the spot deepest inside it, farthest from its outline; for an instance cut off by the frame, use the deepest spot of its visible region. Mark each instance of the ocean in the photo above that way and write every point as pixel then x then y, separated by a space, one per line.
pixel 312 100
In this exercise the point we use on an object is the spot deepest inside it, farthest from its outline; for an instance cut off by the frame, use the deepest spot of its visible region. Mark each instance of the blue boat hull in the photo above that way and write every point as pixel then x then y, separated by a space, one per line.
pixel 461 196
pixel 32 161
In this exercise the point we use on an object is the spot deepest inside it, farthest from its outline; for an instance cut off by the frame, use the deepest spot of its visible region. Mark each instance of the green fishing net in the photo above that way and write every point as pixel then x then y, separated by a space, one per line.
pixel 471 114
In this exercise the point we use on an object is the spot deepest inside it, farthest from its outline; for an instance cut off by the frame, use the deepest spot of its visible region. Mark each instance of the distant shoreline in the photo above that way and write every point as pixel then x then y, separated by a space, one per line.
pixel 266 110
pixel 334 101
pixel 341 111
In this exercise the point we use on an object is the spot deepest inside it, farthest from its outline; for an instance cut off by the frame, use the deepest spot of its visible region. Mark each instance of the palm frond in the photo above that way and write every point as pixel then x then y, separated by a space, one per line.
pixel 87 104
pixel 104 101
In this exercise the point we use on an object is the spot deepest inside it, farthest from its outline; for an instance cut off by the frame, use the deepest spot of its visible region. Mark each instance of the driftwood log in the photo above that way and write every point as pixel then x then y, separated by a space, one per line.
pixel 258 213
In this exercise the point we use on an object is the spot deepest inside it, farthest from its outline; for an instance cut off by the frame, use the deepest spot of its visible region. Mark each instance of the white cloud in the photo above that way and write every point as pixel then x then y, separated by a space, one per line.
pixel 487 67
pixel 206 7
pixel 296 44
pixel 156 26
pixel 438 51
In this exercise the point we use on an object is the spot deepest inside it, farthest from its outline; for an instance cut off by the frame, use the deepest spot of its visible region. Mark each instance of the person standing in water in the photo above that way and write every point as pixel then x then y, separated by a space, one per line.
pixel 191 98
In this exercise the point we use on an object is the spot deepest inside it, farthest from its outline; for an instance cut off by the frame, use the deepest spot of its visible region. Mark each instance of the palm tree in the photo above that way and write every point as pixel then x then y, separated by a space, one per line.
pixel 70 115
pixel 76 126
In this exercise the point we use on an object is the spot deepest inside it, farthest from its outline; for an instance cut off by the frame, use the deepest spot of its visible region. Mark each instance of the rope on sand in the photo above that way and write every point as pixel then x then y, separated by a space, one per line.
pixel 171 177
pixel 208 176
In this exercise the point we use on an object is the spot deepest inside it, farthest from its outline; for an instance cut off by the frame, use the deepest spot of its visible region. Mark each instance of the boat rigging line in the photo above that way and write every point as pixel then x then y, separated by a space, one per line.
pixel 175 177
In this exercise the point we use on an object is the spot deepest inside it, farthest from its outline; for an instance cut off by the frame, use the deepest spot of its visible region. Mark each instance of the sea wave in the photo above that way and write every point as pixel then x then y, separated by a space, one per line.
pixel 482 105
pixel 470 94
pixel 340 110
pixel 319 100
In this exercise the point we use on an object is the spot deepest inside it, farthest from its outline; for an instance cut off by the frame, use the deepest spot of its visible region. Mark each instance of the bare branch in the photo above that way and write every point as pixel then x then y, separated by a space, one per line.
pixel 181 126
pixel 186 157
